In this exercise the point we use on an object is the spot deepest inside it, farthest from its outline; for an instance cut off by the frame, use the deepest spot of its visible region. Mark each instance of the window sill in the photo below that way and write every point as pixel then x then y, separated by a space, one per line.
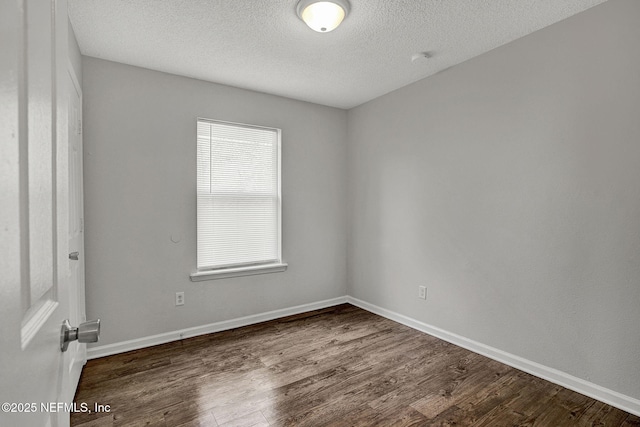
pixel 224 273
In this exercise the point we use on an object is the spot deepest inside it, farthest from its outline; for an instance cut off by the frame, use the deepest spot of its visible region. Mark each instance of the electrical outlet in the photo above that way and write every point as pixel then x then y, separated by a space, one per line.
pixel 179 298
pixel 422 292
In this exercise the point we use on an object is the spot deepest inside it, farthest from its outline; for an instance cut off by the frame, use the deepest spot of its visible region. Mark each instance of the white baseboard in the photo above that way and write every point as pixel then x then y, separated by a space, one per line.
pixel 124 346
pixel 613 398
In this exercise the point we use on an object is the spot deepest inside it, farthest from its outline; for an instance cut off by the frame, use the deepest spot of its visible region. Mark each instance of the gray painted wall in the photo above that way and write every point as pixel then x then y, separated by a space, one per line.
pixel 510 186
pixel 140 152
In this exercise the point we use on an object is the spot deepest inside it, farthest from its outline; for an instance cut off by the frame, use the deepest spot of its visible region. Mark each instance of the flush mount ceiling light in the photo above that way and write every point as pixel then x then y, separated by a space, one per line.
pixel 322 16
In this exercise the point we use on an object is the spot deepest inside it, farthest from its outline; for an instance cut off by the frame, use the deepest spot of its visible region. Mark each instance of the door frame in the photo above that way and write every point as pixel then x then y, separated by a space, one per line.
pixel 77 352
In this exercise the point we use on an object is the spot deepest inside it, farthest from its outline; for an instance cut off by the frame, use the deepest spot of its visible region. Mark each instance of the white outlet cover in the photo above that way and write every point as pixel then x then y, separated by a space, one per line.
pixel 179 298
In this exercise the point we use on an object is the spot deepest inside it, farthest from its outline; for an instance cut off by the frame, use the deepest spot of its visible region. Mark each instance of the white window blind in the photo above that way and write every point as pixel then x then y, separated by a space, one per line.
pixel 238 195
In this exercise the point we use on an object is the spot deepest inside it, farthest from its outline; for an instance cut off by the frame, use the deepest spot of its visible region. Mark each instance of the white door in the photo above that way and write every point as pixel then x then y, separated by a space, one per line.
pixel 77 352
pixel 34 213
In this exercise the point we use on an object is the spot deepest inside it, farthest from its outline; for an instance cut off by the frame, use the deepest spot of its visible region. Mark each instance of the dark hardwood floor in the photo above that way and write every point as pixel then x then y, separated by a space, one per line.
pixel 340 366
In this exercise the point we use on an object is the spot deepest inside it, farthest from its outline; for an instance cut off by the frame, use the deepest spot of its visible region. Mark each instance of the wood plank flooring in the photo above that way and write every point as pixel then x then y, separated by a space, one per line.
pixel 341 366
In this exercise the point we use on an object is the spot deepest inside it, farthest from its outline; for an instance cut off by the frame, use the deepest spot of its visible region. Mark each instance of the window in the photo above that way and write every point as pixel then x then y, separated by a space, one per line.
pixel 238 200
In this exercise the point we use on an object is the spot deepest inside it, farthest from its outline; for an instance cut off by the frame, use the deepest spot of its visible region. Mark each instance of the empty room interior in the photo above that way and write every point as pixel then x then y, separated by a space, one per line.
pixel 416 213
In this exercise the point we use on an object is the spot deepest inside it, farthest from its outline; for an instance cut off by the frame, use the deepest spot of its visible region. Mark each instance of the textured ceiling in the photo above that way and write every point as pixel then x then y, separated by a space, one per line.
pixel 262 45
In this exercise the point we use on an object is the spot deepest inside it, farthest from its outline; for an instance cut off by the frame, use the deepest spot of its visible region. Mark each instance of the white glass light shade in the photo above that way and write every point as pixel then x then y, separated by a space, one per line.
pixel 323 16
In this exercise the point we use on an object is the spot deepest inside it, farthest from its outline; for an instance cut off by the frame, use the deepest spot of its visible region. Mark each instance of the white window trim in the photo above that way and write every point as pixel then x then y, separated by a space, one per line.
pixel 249 270
pixel 224 273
